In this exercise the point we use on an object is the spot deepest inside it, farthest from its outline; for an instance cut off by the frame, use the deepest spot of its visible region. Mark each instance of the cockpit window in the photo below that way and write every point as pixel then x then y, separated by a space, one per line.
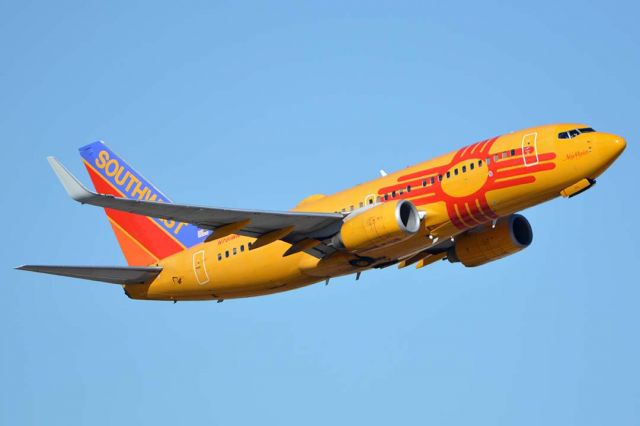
pixel 574 132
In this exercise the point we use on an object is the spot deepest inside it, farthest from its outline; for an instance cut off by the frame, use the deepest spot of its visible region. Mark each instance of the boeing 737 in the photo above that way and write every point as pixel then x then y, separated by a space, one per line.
pixel 461 207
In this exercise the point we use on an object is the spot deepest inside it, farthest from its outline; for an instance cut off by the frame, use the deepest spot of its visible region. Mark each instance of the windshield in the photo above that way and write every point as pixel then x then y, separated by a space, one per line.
pixel 574 132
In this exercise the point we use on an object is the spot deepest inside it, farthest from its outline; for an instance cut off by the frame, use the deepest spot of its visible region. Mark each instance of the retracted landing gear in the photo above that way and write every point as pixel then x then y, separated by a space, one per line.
pixel 361 262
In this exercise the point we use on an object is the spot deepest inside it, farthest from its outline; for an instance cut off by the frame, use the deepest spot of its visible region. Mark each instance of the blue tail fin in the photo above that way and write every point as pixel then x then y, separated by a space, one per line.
pixel 143 240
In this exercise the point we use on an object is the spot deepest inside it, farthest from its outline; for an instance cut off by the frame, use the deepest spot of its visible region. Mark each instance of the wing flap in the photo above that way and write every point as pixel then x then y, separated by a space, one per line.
pixel 107 274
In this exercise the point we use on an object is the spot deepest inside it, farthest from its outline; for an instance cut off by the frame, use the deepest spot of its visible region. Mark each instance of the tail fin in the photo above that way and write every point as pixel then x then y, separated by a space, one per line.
pixel 143 240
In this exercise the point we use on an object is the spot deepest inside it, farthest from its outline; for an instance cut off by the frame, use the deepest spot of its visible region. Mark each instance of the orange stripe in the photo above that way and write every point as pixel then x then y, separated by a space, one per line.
pixel 474 212
pixel 466 213
pixel 461 153
pixel 460 217
pixel 478 145
pixel 124 196
pixel 484 206
pixel 453 215
pixel 141 228
pixel 118 229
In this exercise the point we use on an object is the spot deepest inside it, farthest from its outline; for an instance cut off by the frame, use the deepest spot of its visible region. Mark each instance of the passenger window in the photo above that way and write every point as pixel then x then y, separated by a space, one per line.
pixel 249 246
pixel 505 154
pixel 480 163
pixel 439 178
pixel 464 169
pixel 488 160
pixel 226 253
pixel 455 172
pixel 242 247
pixel 235 251
pixel 496 157
pixel 386 197
pixel 393 194
pixel 401 192
pixel 471 166
pixel 513 152
pixel 408 188
pixel 433 180
pixel 378 199
pixel 219 257
pixel 424 182
pixel 448 175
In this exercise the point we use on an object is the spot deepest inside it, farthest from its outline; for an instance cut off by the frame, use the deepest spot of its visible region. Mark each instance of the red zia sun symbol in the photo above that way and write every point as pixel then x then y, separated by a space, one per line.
pixel 466 198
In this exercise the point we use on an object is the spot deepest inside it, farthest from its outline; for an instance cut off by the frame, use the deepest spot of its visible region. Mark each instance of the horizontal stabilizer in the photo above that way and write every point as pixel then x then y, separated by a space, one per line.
pixel 107 274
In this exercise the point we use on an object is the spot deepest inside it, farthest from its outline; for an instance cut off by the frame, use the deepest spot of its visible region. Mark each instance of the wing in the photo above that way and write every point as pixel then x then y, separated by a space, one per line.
pixel 107 274
pixel 427 256
pixel 294 227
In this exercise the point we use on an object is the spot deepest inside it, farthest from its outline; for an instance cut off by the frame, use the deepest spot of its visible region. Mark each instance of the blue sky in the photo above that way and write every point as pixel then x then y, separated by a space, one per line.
pixel 258 105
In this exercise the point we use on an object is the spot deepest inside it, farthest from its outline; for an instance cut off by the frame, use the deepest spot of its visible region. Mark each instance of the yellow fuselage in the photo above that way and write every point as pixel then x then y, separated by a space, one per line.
pixel 456 191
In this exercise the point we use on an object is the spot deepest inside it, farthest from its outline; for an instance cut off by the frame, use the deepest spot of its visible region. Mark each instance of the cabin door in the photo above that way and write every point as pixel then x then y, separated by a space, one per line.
pixel 200 268
pixel 530 149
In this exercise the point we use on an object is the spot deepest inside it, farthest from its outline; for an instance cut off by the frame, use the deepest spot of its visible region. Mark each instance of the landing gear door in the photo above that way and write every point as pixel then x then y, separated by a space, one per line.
pixel 530 149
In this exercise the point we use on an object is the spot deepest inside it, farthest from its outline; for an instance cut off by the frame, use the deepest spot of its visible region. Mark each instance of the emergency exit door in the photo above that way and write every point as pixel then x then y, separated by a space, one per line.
pixel 530 149
pixel 200 268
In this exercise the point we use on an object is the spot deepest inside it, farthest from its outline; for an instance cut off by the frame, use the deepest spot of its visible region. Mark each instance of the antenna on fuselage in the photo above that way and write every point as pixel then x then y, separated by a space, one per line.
pixel 383 173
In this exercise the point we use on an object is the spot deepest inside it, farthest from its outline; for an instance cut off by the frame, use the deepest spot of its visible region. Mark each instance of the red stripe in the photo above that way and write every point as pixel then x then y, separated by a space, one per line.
pixel 475 212
pixel 484 206
pixel 464 214
pixel 453 215
pixel 133 252
pixel 145 232
pixel 142 228
pixel 524 170
pixel 460 154
pixel 512 182
pixel 478 145
pixel 488 145
pixel 518 161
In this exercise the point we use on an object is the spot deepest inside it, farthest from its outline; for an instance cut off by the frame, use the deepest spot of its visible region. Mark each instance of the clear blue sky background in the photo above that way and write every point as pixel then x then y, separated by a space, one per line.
pixel 258 105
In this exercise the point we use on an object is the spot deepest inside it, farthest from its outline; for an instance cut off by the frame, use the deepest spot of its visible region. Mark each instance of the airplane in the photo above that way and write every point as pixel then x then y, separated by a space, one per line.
pixel 461 207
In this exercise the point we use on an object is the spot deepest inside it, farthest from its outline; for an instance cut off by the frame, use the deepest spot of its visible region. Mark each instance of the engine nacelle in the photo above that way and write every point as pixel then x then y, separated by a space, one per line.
pixel 486 244
pixel 378 226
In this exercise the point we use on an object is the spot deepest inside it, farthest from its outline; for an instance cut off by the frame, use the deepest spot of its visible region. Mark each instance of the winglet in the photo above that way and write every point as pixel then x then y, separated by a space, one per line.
pixel 72 185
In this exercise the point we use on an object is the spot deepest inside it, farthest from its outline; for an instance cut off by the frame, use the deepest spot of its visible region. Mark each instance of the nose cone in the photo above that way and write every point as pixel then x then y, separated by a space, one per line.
pixel 619 145
pixel 609 147
pixel 615 146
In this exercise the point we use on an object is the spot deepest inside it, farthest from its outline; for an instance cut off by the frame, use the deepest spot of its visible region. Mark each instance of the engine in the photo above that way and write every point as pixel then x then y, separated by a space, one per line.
pixel 486 244
pixel 381 225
